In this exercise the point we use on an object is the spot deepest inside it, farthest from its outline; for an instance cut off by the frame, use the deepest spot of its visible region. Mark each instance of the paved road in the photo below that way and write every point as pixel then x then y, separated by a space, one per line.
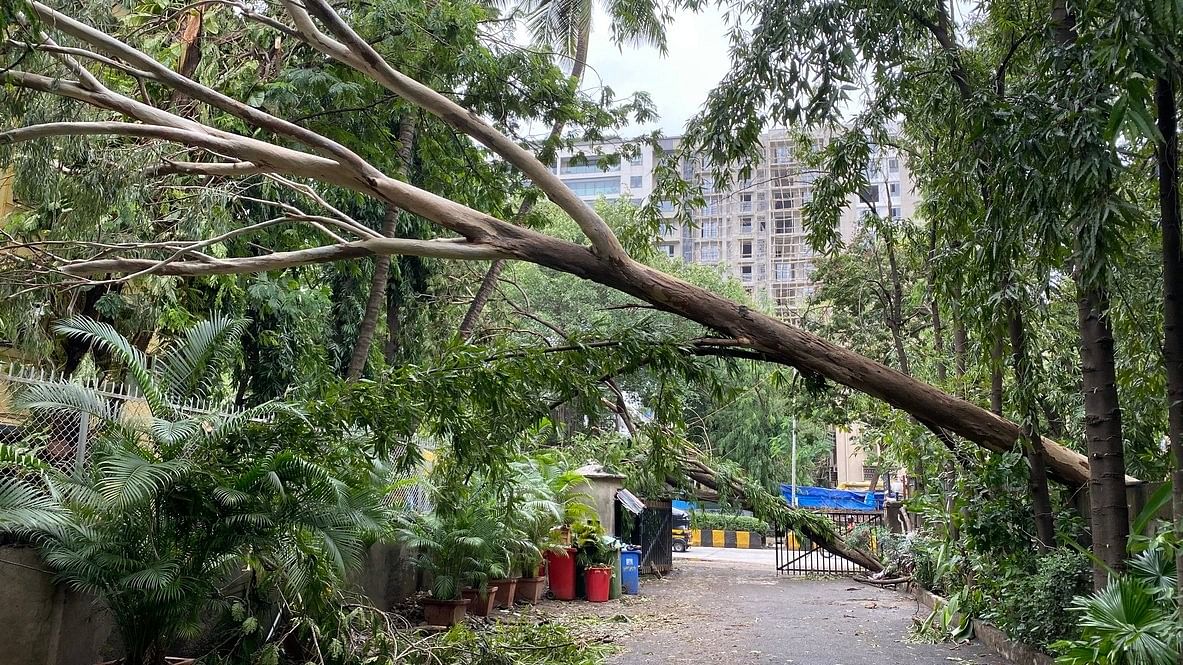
pixel 724 607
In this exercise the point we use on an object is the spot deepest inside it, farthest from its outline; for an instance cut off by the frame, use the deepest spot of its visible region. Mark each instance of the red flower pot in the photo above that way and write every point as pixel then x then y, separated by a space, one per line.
pixel 598 582
pixel 480 604
pixel 443 612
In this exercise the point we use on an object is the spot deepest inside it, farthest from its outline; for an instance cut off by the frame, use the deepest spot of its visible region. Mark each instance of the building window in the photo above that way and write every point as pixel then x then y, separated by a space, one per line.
pixel 666 207
pixel 709 253
pixel 668 250
pixel 745 202
pixel 869 473
pixel 893 165
pixel 709 230
pixel 577 165
pixel 784 224
pixel 763 225
pixel 871 194
pixel 745 274
pixel 636 159
pixel 896 213
pixel 745 224
pixel 745 249
pixel 634 182
pixel 781 271
pixel 595 186
pixel 780 154
pixel 894 188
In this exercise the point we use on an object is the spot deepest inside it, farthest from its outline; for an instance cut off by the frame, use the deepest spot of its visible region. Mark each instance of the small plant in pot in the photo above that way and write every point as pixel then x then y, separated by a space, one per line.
pixel 595 556
pixel 448 551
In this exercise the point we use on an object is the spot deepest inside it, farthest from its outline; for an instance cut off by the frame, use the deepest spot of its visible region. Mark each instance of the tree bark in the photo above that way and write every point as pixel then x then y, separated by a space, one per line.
pixel 996 375
pixel 1045 528
pixel 1108 510
pixel 369 320
pixel 1172 261
pixel 480 299
pixel 381 278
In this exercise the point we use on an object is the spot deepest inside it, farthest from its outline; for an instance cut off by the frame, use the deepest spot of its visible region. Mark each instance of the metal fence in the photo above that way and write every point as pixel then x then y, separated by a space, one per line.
pixel 64 439
pixel 800 556
pixel 651 531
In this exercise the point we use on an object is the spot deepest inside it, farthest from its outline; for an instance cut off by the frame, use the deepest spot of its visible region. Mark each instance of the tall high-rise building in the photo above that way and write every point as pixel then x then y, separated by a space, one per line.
pixel 753 228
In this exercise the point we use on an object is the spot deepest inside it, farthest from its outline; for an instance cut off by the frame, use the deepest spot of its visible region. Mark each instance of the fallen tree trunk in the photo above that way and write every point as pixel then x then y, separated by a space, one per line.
pixel 775 510
pixel 481 236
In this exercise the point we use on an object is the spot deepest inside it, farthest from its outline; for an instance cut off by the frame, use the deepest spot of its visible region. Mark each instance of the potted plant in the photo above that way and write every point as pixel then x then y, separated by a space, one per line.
pixel 448 551
pixel 596 555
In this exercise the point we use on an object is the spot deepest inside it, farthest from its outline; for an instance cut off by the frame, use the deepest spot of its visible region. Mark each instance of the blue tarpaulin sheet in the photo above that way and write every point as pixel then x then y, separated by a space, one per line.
pixel 822 497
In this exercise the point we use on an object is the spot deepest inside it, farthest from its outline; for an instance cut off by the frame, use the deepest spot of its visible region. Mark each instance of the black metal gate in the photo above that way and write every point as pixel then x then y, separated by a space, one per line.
pixel 651 531
pixel 796 555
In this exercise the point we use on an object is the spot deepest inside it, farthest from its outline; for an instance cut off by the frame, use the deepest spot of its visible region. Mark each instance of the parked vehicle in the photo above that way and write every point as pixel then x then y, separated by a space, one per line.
pixel 680 530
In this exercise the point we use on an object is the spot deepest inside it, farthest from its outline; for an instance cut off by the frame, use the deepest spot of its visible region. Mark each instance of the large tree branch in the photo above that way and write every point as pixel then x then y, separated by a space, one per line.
pixel 280 260
pixel 357 53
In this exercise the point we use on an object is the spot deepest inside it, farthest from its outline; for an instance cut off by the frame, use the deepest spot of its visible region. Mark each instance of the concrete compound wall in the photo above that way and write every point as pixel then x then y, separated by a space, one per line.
pixel 389 576
pixel 44 623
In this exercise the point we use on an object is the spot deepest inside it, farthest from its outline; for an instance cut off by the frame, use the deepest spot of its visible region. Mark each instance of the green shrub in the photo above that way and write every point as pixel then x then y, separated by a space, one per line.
pixel 1033 608
pixel 726 522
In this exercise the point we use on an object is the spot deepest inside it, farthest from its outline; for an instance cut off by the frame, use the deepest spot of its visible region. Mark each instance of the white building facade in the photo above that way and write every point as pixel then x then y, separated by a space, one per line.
pixel 753 229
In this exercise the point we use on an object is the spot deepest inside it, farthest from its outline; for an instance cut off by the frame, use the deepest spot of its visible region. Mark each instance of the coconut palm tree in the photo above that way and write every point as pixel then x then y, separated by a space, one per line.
pixel 176 503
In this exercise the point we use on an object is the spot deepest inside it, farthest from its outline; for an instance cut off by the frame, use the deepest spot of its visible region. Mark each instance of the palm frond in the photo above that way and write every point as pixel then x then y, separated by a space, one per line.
pixel 104 336
pixel 28 510
pixel 189 367
pixel 127 478
pixel 65 398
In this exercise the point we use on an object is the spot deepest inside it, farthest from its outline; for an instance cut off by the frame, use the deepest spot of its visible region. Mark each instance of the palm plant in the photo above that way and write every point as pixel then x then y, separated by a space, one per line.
pixel 175 504
pixel 451 548
pixel 1133 621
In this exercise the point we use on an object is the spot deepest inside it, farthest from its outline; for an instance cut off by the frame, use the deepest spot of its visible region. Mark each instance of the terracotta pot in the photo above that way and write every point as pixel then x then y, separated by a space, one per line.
pixel 531 589
pixel 480 604
pixel 505 591
pixel 443 612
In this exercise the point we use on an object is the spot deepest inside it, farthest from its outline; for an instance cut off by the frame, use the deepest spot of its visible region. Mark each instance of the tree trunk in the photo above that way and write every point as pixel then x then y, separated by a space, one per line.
pixel 996 375
pixel 1172 261
pixel 481 298
pixel 1108 510
pixel 369 320
pixel 473 314
pixel 938 334
pixel 380 281
pixel 1045 528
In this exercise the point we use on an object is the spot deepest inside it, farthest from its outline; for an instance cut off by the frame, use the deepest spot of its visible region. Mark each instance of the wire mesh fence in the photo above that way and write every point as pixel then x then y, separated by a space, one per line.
pixel 65 439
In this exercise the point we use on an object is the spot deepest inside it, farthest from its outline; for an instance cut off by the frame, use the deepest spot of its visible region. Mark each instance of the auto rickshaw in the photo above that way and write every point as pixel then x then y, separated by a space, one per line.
pixel 680 530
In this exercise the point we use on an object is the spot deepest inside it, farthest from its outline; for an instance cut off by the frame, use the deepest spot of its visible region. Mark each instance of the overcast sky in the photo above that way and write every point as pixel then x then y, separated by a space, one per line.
pixel 679 82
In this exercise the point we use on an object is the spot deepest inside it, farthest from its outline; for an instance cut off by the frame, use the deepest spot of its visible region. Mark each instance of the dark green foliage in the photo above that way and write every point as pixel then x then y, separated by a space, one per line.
pixel 1031 606
pixel 728 522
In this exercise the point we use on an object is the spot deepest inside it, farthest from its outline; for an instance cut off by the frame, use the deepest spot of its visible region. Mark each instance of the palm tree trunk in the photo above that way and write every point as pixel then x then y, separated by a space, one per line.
pixel 1108 510
pixel 379 282
pixel 547 155
pixel 1172 262
pixel 1045 528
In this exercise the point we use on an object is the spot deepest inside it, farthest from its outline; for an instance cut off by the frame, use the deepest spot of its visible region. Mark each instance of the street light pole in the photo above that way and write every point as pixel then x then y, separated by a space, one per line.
pixel 794 453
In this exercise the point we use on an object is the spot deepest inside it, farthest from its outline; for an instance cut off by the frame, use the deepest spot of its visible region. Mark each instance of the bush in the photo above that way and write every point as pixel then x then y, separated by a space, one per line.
pixel 1034 608
pixel 725 522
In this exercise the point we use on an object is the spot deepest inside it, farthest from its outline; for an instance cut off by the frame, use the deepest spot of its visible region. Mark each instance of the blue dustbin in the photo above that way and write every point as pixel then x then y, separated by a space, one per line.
pixel 630 572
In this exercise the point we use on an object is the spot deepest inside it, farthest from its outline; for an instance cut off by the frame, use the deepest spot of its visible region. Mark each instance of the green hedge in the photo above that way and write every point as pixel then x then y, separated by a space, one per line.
pixel 701 520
